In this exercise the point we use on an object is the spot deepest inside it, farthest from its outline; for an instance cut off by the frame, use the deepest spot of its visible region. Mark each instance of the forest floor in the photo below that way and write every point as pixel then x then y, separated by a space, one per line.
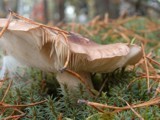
pixel 127 95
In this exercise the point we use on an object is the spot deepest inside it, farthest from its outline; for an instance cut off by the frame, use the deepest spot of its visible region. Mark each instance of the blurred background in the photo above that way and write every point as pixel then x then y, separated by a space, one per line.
pixel 55 11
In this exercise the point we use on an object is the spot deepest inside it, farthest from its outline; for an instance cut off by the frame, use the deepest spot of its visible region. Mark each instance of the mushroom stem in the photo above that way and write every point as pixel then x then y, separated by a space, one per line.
pixel 72 81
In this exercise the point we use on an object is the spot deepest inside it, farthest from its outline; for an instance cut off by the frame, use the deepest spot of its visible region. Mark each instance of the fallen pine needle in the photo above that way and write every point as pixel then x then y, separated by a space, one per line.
pixel 146 66
pixel 152 77
pixel 81 79
pixel 95 107
pixel 35 23
pixel 4 105
pixel 138 115
pixel 14 117
pixel 6 26
pixel 68 53
pixel 154 101
pixel 60 117
pixel 157 90
pixel 155 62
pixel 5 94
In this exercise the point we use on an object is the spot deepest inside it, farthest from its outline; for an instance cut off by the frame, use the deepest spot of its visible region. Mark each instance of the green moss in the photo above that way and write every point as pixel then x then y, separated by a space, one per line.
pixel 35 86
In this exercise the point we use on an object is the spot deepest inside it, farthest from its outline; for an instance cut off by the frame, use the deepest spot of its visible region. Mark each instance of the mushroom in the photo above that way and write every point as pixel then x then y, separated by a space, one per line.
pixel 51 49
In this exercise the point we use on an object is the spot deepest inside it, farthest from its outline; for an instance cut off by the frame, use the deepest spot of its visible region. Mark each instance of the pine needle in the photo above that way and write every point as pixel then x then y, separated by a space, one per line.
pixel 81 79
pixel 5 94
pixel 6 26
pixel 154 101
pixel 136 113
pixel 146 67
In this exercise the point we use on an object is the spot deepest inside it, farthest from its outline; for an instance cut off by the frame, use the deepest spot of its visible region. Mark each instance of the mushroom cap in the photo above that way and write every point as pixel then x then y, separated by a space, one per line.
pixel 46 48
pixel 92 57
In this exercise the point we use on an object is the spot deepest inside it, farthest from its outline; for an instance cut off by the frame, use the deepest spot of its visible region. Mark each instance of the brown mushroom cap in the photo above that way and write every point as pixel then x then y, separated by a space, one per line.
pixel 17 25
pixel 46 49
pixel 91 57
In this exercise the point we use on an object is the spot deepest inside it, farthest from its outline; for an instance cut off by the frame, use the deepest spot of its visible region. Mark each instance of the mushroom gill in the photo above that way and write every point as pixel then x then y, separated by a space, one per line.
pixel 48 49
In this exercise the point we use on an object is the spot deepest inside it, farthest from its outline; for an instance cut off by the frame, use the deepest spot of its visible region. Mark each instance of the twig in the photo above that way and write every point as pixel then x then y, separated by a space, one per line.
pixel 98 109
pixel 154 101
pixel 14 117
pixel 157 91
pixel 68 53
pixel 60 116
pixel 133 34
pixel 123 21
pixel 142 60
pixel 152 77
pixel 94 21
pixel 3 105
pixel 150 30
pixel 100 90
pixel 146 67
pixel 5 94
pixel 86 31
pixel 153 61
pixel 35 23
pixel 2 80
pixel 138 115
pixel 6 26
pixel 81 79
pixel 152 69
pixel 132 82
pixel 124 36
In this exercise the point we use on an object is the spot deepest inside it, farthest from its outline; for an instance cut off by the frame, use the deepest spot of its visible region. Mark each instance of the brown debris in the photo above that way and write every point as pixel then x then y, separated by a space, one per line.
pixel 148 71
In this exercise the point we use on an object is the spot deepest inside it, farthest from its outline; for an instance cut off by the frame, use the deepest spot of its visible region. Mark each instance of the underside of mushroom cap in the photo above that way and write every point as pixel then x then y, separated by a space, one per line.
pixel 47 49
pixel 89 56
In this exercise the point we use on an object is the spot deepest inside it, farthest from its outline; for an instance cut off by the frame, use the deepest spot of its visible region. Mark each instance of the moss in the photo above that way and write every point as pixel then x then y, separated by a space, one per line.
pixel 35 86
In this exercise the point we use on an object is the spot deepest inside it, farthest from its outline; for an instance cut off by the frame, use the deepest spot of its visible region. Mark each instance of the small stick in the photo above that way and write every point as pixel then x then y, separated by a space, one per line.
pixel 153 61
pixel 60 117
pixel 133 34
pixel 146 67
pixel 68 53
pixel 81 79
pixel 142 60
pixel 138 115
pixel 124 36
pixel 2 80
pixel 14 117
pixel 157 90
pixel 35 23
pixel 98 109
pixel 105 81
pixel 6 26
pixel 3 105
pixel 154 101
pixel 87 31
pixel 6 91
pixel 130 83
pixel 152 77
pixel 67 61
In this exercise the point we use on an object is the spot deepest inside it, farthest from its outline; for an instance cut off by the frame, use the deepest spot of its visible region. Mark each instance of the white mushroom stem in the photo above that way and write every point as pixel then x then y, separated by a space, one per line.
pixel 72 81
